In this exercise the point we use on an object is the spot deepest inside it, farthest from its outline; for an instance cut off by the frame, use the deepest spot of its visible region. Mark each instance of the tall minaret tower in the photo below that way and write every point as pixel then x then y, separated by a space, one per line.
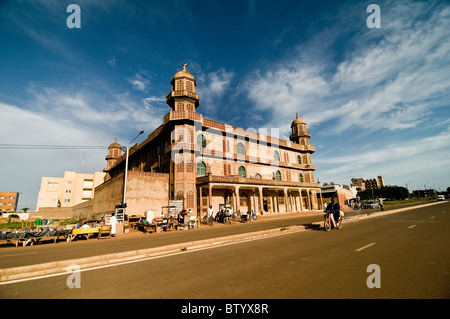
pixel 183 96
pixel 114 152
pixel 299 133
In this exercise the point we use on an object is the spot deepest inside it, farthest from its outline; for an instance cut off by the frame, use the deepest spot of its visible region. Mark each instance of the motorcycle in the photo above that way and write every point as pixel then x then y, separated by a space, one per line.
pixel 329 221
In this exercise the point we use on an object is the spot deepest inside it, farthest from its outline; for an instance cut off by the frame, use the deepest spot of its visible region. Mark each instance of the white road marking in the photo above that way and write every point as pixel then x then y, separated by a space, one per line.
pixel 364 247
pixel 18 254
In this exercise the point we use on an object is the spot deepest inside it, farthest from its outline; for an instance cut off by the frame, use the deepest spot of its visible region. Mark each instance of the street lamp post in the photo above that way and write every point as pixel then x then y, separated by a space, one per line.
pixel 126 170
pixel 407 187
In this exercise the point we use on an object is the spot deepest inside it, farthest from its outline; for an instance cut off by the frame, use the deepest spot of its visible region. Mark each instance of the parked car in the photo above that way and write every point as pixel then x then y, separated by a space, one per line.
pixel 371 204
pixel 440 197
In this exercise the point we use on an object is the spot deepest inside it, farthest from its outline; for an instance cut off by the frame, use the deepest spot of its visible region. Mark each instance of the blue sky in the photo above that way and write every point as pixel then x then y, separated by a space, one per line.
pixel 376 100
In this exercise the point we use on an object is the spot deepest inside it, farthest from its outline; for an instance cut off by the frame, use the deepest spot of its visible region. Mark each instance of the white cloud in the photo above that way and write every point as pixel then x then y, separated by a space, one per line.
pixel 392 83
pixel 424 159
pixel 140 82
pixel 213 87
pixel 387 81
pixel 28 127
pixel 112 61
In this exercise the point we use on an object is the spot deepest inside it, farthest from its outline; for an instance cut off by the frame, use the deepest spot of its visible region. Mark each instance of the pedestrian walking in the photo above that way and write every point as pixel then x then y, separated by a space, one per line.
pixel 380 201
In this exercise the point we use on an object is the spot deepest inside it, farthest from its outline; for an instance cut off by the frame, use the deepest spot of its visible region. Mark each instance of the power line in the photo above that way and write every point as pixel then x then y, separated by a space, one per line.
pixel 51 147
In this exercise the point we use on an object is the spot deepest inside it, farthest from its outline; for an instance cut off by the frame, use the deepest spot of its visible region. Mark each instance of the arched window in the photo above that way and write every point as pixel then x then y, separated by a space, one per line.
pixel 201 141
pixel 240 149
pixel 179 85
pixel 299 159
pixel 301 179
pixel 201 168
pixel 189 86
pixel 190 199
pixel 276 155
pixel 278 175
pixel 242 171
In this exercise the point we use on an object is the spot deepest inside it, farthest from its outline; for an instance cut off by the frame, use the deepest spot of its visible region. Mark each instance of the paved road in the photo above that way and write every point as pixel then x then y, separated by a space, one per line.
pixel 410 248
pixel 49 252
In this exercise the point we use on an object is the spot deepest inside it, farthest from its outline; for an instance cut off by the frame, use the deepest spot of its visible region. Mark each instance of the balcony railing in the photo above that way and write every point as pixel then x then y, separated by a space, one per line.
pixel 182 93
pixel 236 179
pixel 184 114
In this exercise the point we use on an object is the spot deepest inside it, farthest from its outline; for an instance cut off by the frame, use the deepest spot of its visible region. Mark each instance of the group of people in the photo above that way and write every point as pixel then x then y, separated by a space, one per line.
pixel 211 214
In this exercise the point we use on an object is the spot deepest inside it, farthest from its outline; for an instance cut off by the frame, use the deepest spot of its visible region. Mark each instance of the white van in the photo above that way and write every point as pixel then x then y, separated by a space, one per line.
pixel 440 197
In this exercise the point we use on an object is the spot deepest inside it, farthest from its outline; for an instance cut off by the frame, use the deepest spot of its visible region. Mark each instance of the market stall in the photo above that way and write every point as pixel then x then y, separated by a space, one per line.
pixel 31 238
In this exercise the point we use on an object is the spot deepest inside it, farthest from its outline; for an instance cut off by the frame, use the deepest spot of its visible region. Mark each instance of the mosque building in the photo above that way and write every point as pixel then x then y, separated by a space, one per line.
pixel 203 163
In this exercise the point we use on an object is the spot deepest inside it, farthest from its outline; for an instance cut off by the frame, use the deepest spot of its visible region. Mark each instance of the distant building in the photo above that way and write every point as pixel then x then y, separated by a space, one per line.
pixel 344 193
pixel 425 193
pixel 9 201
pixel 361 184
pixel 68 191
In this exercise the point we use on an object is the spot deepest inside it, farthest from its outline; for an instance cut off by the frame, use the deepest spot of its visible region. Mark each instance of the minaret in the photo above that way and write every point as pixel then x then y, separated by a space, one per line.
pixel 299 133
pixel 114 152
pixel 183 96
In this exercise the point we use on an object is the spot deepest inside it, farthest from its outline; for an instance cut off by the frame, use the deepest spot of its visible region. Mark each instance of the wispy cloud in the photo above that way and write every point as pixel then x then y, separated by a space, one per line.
pixel 213 86
pixel 384 82
pixel 393 160
pixel 140 81
pixel 95 109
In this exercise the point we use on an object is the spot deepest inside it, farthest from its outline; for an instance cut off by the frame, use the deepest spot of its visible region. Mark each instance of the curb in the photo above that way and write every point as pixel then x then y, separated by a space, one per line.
pixel 61 267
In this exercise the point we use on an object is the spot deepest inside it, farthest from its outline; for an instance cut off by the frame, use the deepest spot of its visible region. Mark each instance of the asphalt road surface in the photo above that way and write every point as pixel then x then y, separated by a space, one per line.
pixel 401 255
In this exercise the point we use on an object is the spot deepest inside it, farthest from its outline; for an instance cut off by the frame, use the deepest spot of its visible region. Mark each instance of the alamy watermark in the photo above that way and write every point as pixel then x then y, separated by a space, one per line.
pixel 74 279
pixel 374 279
pixel 74 19
pixel 374 19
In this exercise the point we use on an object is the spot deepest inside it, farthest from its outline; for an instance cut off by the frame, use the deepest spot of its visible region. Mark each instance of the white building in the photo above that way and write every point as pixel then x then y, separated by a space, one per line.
pixel 68 191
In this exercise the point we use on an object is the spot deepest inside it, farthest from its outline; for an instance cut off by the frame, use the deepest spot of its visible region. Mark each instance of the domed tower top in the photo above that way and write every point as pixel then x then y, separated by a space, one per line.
pixel 183 96
pixel 184 74
pixel 299 134
pixel 114 152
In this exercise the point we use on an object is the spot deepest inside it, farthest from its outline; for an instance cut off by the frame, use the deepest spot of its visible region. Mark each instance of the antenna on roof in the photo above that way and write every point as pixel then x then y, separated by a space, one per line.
pixel 82 162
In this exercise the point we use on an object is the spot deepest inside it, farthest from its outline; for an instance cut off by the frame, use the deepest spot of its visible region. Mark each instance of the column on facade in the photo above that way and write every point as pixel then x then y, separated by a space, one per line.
pixel 209 195
pixel 309 198
pixel 200 206
pixel 195 209
pixel 277 201
pixel 292 201
pixel 238 204
pixel 260 200
pixel 321 200
pixel 233 203
pixel 286 203
pixel 301 199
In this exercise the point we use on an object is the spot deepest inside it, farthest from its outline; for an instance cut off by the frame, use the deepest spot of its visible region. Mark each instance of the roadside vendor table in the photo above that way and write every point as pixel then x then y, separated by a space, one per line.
pixel 86 232
pixel 104 230
pixel 146 228
pixel 34 237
